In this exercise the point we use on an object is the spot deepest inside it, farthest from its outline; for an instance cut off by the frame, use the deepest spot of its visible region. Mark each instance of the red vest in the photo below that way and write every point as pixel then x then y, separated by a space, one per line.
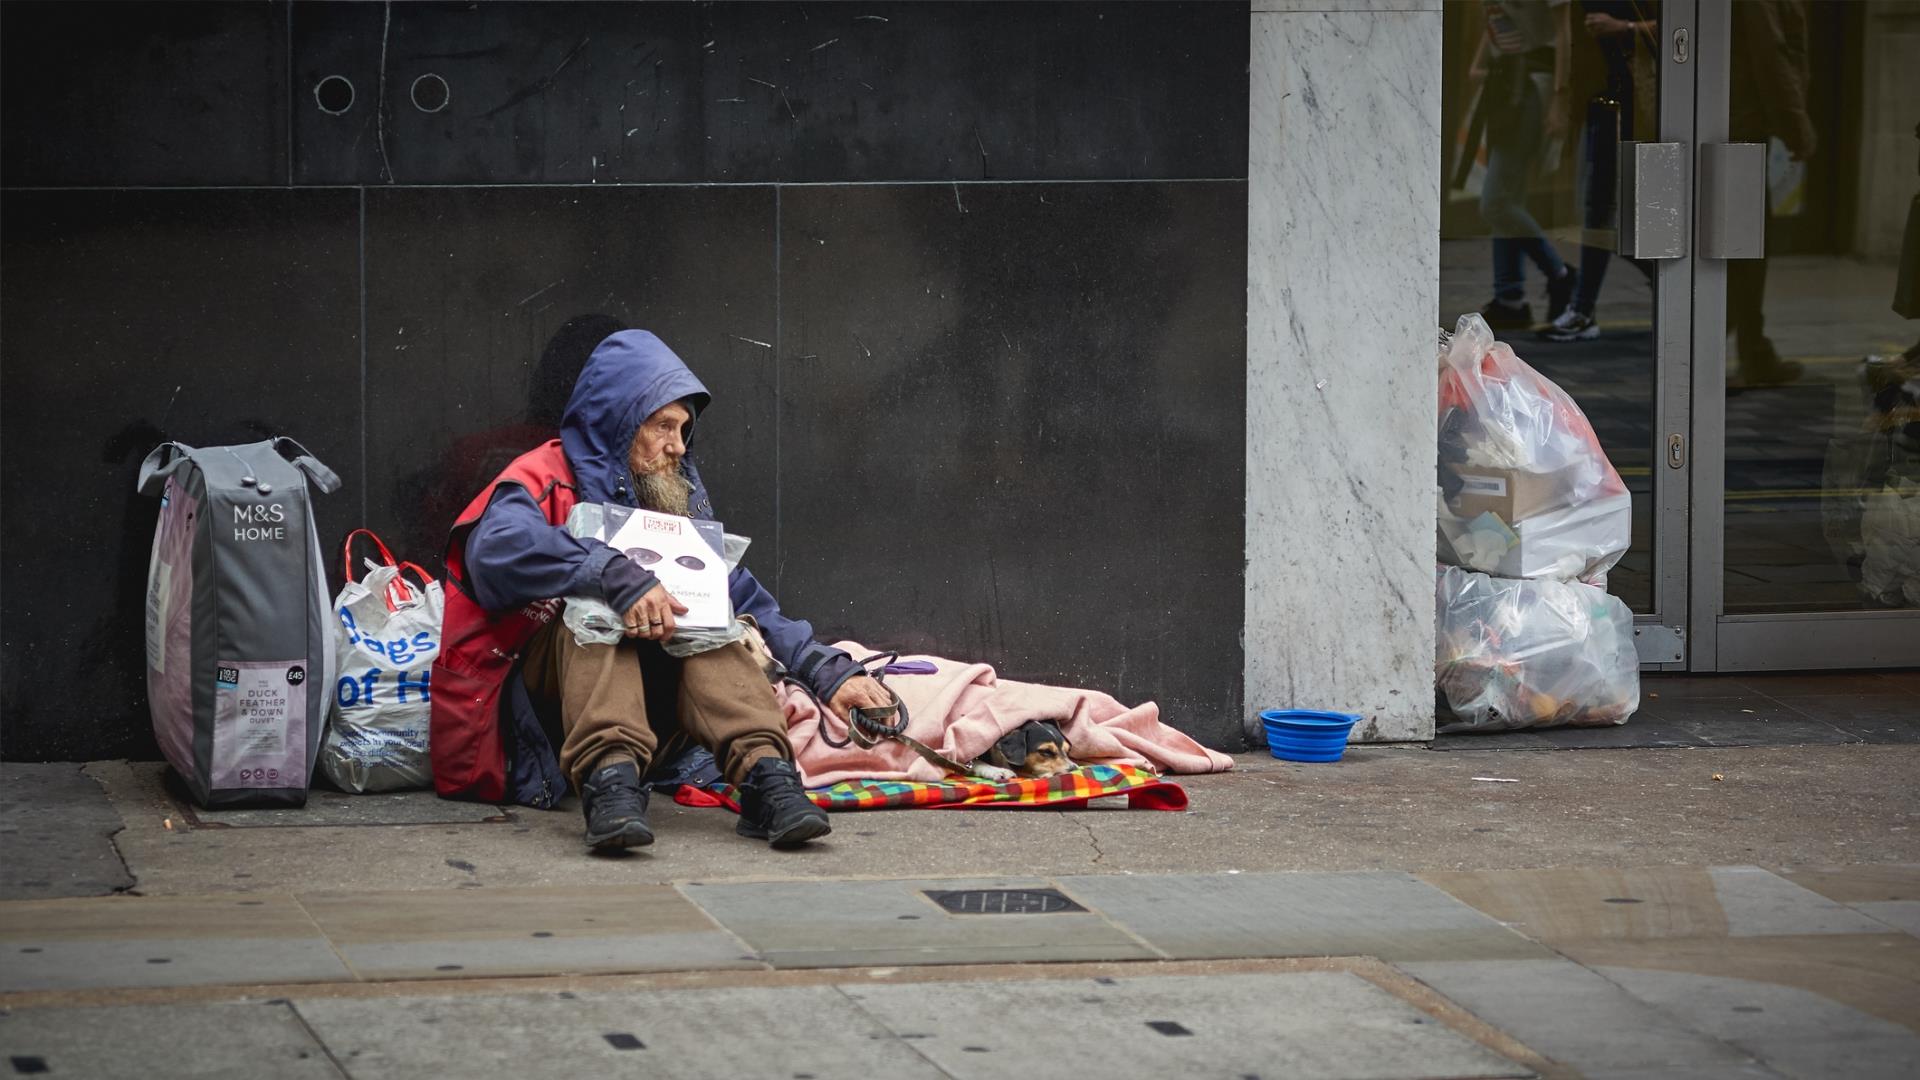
pixel 478 649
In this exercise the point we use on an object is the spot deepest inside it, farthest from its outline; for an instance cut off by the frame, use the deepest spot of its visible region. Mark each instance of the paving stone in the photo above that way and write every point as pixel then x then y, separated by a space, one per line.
pixel 1705 1072
pixel 447 933
pixel 1759 903
pixel 1899 914
pixel 1875 974
pixel 1588 903
pixel 734 1033
pixel 1393 916
pixel 1743 1010
pixel 335 808
pixel 1855 1059
pixel 1574 1016
pixel 1859 884
pixel 157 1042
pixel 56 827
pixel 856 923
pixel 127 941
pixel 1301 1025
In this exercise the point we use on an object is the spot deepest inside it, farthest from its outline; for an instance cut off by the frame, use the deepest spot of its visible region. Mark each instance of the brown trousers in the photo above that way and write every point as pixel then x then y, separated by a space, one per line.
pixel 723 701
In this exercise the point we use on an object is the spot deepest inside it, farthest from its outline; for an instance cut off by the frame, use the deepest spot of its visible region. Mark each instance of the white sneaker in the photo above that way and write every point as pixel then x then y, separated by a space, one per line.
pixel 1570 325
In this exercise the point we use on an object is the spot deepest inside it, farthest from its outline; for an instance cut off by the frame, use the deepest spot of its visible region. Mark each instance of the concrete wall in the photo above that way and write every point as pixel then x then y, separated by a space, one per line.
pixel 1343 226
pixel 967 281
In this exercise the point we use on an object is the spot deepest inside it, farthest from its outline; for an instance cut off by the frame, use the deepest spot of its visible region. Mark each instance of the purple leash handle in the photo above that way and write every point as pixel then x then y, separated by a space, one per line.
pixel 912 667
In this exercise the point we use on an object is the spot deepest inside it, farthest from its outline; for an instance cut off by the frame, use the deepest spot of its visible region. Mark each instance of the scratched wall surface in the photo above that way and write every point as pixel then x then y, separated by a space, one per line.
pixel 968 282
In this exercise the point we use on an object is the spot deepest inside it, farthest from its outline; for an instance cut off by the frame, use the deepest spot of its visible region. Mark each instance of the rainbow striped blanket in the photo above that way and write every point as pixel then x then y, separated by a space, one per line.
pixel 1076 787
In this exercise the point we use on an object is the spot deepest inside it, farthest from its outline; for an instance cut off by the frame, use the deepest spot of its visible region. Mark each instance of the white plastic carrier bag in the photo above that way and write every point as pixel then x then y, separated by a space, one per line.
pixel 239 640
pixel 388 635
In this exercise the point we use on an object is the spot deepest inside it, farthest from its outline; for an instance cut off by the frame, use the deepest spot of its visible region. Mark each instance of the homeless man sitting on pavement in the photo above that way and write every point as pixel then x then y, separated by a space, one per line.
pixel 508 665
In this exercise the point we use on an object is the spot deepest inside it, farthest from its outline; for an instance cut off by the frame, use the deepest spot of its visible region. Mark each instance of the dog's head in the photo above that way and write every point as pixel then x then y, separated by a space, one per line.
pixel 1034 749
pixel 756 644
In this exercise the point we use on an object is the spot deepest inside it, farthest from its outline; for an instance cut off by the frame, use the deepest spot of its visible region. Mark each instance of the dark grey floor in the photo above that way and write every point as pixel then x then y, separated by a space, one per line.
pixel 56 830
pixel 1740 710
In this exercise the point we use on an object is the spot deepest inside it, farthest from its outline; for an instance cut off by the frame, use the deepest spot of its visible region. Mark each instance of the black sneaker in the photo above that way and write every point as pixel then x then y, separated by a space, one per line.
pixel 775 808
pixel 1501 315
pixel 1560 292
pixel 1760 365
pixel 616 808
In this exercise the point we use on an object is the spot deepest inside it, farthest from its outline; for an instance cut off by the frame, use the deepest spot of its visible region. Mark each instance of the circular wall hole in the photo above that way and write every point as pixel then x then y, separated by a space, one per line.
pixel 430 93
pixel 334 94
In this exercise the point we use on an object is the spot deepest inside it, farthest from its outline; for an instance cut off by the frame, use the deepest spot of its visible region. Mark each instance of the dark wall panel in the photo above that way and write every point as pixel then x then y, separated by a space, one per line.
pixel 143 93
pixel 601 92
pixel 1013 430
pixel 133 317
pixel 472 294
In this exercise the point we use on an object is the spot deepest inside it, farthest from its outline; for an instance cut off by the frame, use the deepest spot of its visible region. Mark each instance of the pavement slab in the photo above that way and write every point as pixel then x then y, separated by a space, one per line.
pixel 861 923
pixel 1903 915
pixel 124 941
pixel 145 1042
pixel 338 809
pixel 1859 884
pixel 57 826
pixel 777 1034
pixel 1876 974
pixel 479 933
pixel 1392 916
pixel 1589 903
pixel 1795 1032
pixel 1378 808
pixel 1576 1017
pixel 1303 1026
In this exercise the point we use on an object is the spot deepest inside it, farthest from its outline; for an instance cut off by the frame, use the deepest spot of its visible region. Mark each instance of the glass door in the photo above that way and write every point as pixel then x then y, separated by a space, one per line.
pixel 1806 489
pixel 1543 103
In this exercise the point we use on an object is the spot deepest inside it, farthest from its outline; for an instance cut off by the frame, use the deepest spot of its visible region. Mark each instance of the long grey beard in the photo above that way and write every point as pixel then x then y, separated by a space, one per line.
pixel 664 491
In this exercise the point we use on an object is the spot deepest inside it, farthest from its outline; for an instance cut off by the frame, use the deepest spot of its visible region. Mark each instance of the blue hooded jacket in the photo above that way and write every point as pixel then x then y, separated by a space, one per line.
pixel 514 557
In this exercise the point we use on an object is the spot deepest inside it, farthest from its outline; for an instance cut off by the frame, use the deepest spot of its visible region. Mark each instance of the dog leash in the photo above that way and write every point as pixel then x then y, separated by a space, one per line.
pixel 868 725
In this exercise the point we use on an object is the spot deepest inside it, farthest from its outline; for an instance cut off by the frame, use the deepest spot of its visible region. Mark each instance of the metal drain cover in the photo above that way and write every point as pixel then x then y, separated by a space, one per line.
pixel 1002 901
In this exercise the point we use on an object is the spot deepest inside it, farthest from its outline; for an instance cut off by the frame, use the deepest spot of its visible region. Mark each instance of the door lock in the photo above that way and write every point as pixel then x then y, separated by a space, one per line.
pixel 1680 45
pixel 1676 452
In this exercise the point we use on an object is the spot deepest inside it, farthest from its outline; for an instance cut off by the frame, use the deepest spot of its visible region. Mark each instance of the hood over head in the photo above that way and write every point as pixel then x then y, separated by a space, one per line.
pixel 630 376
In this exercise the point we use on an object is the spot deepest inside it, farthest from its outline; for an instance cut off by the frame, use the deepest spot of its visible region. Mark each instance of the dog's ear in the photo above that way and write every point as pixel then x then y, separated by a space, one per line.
pixel 1048 731
pixel 750 620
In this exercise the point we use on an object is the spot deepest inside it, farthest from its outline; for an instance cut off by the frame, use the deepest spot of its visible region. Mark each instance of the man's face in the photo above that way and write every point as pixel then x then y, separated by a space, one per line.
pixel 661 441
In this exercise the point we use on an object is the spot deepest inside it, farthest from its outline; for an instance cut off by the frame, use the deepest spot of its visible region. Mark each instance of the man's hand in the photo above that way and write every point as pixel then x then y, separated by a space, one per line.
pixel 651 616
pixel 859 692
pixel 1602 25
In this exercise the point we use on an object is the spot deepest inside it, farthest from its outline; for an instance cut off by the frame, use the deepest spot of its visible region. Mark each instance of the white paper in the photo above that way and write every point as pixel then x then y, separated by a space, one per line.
pixel 672 550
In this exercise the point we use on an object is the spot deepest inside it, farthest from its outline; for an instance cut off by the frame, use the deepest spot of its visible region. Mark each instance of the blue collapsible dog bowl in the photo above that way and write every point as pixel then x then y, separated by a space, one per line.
pixel 1307 734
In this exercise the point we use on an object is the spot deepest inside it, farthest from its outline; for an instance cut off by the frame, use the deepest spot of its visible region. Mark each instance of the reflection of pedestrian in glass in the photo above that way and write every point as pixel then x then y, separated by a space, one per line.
pixel 1518 55
pixel 1906 290
pixel 1622 32
pixel 1769 98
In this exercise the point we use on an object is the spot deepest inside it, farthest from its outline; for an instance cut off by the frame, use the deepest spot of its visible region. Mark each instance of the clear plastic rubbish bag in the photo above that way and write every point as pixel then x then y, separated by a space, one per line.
pixel 593 622
pixel 1523 654
pixel 1525 490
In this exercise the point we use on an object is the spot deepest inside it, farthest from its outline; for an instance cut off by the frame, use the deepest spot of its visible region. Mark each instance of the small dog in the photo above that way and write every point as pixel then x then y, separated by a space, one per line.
pixel 1035 749
pixel 756 644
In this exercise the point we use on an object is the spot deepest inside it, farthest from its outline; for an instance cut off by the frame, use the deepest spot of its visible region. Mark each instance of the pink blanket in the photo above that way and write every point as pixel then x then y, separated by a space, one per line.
pixel 965 708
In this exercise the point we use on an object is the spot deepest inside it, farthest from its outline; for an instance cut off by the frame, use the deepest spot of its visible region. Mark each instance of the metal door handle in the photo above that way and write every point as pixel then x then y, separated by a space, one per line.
pixel 1733 200
pixel 1653 200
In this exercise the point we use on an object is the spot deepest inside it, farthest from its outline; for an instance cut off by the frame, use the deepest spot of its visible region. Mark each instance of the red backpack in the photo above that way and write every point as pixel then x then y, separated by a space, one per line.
pixel 478 650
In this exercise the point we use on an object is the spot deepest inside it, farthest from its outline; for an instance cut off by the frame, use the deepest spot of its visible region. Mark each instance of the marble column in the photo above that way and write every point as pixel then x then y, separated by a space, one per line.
pixel 1343 271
